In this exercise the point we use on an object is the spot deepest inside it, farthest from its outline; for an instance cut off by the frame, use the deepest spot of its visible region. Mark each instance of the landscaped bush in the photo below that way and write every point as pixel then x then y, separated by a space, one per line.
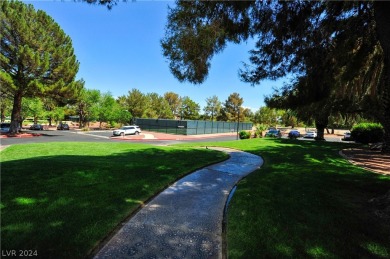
pixel 244 134
pixel 258 132
pixel 367 133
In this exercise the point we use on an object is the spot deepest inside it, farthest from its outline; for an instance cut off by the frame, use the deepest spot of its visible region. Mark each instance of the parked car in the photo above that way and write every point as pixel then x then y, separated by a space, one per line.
pixel 5 127
pixel 310 134
pixel 36 127
pixel 63 126
pixel 273 133
pixel 294 134
pixel 127 130
pixel 347 136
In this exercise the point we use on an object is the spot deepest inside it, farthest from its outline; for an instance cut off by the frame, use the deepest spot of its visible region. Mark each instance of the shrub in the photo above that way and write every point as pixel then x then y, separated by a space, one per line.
pixel 259 130
pixel 367 133
pixel 244 134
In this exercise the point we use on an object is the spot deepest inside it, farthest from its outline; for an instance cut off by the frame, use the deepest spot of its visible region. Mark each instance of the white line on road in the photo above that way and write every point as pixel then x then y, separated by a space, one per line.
pixel 90 134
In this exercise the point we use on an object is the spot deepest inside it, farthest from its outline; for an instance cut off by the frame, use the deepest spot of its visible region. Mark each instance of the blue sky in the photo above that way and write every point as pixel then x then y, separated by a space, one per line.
pixel 119 50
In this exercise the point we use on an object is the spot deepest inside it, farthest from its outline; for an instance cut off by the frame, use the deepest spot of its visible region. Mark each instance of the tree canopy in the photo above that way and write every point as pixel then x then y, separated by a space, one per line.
pixel 213 107
pixel 36 57
pixel 337 52
pixel 232 110
pixel 189 109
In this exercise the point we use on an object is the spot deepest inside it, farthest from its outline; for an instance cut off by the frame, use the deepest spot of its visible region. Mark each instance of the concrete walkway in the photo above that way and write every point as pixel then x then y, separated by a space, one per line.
pixel 185 220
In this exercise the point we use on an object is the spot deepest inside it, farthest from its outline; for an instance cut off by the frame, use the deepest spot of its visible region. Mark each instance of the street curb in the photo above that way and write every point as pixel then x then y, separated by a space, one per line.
pixel 26 135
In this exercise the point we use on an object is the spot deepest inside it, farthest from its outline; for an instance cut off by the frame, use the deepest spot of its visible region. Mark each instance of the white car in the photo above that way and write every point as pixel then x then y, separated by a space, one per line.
pixel 127 130
pixel 310 134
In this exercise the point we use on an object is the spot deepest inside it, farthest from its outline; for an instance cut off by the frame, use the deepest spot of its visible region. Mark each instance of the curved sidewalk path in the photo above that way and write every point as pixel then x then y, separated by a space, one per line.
pixel 185 220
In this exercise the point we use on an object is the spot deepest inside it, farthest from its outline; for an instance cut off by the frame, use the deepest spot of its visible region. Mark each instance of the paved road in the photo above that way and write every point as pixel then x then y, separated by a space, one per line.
pixel 105 136
pixel 95 136
pixel 58 136
pixel 185 220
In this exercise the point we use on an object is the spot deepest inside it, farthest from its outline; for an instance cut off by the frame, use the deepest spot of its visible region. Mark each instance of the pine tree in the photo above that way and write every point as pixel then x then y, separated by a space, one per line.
pixel 338 51
pixel 36 58
pixel 213 107
pixel 232 110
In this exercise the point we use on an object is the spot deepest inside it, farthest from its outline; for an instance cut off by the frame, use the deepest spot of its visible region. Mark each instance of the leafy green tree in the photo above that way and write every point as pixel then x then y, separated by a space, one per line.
pixel 231 108
pixel 289 118
pixel 32 107
pixel 266 115
pixel 248 114
pixel 197 30
pixel 105 109
pixel 88 106
pixel 174 102
pixel 338 51
pixel 123 116
pixel 189 109
pixel 213 107
pixel 5 107
pixel 382 86
pixel 158 107
pixel 50 105
pixel 57 114
pixel 36 57
pixel 136 103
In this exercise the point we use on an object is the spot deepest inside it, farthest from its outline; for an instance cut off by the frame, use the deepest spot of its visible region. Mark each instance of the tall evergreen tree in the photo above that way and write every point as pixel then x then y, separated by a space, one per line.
pixel 174 102
pixel 189 109
pixel 36 57
pixel 158 107
pixel 232 110
pixel 136 103
pixel 213 107
pixel 337 50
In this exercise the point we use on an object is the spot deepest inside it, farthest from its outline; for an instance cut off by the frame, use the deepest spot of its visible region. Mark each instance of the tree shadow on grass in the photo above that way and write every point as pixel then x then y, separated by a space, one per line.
pixel 63 205
pixel 306 201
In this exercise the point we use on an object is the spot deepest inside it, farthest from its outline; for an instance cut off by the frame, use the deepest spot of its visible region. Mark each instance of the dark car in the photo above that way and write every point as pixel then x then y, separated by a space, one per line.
pixel 5 127
pixel 293 134
pixel 63 126
pixel 273 133
pixel 36 127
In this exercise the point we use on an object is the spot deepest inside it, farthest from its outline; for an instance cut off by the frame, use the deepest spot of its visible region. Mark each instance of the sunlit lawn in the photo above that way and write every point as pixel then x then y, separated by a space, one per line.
pixel 305 202
pixel 60 199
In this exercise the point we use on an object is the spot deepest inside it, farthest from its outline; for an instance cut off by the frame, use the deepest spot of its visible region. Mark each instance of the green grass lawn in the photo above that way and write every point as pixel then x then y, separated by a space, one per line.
pixel 305 202
pixel 62 198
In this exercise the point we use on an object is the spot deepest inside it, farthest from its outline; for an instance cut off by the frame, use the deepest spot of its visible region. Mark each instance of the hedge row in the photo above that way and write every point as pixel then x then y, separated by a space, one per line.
pixel 367 133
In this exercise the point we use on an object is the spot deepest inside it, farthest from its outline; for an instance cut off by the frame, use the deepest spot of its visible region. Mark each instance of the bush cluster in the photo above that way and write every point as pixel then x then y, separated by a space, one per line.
pixel 367 133
pixel 244 134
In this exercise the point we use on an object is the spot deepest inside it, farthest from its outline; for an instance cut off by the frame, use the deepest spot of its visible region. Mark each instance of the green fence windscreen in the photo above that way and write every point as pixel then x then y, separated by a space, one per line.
pixel 189 127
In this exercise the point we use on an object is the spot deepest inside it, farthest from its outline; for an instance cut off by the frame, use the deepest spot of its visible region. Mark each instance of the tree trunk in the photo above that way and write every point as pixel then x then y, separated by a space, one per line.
pixel 2 115
pixel 321 124
pixel 382 19
pixel 16 115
